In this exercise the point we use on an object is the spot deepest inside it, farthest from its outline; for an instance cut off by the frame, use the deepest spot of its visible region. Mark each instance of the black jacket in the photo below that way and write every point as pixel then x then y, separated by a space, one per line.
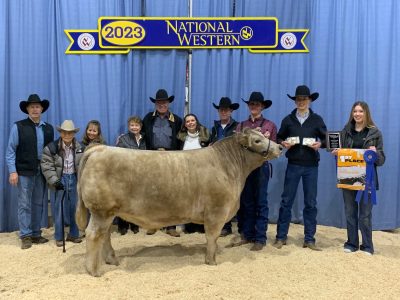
pixel 128 140
pixel 313 127
pixel 373 138
pixel 148 122
pixel 228 130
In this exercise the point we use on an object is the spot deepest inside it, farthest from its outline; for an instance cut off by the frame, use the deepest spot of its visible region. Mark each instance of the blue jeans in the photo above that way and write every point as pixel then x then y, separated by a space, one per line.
pixel 358 215
pixel 254 205
pixel 70 199
pixel 31 201
pixel 309 176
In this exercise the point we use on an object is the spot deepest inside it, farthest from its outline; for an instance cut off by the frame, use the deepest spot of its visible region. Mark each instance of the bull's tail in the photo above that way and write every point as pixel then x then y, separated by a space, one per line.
pixel 82 213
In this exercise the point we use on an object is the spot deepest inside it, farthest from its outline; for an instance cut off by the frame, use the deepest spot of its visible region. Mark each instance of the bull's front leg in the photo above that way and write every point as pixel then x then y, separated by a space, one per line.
pixel 95 237
pixel 212 232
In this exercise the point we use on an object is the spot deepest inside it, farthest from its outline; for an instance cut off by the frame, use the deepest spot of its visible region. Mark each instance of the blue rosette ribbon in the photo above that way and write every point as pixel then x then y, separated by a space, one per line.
pixel 370 189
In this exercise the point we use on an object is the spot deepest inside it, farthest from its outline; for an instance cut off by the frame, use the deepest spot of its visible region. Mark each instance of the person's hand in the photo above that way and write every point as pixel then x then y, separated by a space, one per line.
pixel 287 145
pixel 335 152
pixel 315 145
pixel 267 134
pixel 373 148
pixel 13 179
pixel 58 185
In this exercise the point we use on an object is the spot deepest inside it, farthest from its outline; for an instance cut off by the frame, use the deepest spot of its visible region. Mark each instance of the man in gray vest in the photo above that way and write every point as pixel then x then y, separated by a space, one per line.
pixel 27 139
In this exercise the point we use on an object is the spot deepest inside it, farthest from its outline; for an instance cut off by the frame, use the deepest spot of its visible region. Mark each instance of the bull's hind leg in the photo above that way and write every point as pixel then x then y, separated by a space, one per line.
pixel 108 251
pixel 96 233
pixel 212 231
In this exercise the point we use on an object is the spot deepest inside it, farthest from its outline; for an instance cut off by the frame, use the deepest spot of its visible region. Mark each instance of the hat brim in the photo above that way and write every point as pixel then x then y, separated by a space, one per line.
pixel 313 96
pixel 24 104
pixel 170 99
pixel 59 129
pixel 233 106
pixel 265 103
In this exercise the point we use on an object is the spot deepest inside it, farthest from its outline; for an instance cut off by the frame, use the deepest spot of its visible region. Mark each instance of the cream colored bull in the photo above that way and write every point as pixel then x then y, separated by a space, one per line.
pixel 155 189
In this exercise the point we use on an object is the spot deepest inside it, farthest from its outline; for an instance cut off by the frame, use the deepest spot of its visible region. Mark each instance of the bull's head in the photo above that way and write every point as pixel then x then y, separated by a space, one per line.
pixel 254 141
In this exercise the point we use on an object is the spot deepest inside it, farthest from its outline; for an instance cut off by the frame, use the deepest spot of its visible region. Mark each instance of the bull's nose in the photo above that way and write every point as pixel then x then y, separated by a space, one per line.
pixel 280 147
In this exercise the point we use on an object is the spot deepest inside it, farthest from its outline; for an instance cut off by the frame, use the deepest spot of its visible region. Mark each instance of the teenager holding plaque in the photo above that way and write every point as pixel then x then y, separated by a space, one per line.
pixel 360 132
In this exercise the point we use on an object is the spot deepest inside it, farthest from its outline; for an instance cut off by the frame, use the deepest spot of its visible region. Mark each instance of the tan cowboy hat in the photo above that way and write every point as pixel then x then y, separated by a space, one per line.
pixel 67 125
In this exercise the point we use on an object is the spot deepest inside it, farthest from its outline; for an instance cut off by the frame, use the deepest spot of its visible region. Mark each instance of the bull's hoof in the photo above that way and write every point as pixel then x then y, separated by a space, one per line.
pixel 238 243
pixel 112 260
pixel 211 263
pixel 91 271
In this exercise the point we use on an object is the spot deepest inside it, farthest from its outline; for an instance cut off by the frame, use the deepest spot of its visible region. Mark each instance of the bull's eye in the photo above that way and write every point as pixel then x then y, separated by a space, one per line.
pixel 257 141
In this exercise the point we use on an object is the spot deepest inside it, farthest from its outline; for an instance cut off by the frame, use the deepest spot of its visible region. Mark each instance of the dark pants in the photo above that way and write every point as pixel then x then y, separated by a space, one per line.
pixel 192 228
pixel 309 175
pixel 358 215
pixel 124 225
pixel 253 216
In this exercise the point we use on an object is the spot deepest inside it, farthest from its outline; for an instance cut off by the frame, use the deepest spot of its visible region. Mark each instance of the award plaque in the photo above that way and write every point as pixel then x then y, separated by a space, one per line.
pixel 333 140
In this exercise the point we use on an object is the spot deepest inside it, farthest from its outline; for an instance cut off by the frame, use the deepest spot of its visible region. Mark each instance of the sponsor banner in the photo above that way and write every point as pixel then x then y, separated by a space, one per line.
pixel 351 169
pixel 120 34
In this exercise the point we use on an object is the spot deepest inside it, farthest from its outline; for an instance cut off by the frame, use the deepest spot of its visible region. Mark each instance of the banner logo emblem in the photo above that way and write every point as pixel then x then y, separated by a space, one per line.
pixel 246 33
pixel 86 41
pixel 288 40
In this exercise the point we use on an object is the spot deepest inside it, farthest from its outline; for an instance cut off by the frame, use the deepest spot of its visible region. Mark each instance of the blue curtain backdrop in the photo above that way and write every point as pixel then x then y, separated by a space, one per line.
pixel 354 54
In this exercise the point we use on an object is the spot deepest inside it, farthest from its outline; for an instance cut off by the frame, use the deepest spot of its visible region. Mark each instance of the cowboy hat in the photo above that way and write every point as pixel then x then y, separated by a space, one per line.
pixel 34 98
pixel 162 95
pixel 258 97
pixel 303 90
pixel 67 125
pixel 225 102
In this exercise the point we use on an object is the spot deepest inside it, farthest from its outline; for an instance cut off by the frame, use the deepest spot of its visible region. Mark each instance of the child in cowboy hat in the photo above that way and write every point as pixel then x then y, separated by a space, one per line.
pixel 60 168
pixel 27 140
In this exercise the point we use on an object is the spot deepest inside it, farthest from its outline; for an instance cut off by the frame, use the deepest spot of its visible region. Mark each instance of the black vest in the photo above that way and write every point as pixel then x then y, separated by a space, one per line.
pixel 26 160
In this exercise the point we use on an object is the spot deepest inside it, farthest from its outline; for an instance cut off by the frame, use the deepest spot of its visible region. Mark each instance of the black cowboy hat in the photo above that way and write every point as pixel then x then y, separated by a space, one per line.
pixel 34 98
pixel 162 95
pixel 258 97
pixel 225 102
pixel 303 90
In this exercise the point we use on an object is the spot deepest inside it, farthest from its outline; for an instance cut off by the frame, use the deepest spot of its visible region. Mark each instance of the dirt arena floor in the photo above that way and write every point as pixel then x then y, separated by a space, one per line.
pixel 163 267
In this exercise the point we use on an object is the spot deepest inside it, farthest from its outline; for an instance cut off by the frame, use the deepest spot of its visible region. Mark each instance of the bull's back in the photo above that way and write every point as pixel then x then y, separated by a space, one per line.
pixel 140 181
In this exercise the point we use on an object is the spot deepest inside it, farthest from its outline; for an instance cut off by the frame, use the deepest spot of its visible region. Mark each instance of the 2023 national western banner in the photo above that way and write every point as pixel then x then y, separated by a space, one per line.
pixel 120 34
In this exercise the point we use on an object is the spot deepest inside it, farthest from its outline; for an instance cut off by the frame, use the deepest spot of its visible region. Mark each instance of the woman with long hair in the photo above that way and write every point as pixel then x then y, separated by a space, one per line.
pixel 360 132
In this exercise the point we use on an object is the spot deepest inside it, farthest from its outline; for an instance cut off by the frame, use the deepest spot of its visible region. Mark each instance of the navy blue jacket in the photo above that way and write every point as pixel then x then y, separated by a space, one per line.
pixel 313 127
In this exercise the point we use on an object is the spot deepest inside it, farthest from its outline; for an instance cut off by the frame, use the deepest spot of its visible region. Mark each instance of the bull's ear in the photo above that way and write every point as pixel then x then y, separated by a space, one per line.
pixel 244 138
pixel 246 130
